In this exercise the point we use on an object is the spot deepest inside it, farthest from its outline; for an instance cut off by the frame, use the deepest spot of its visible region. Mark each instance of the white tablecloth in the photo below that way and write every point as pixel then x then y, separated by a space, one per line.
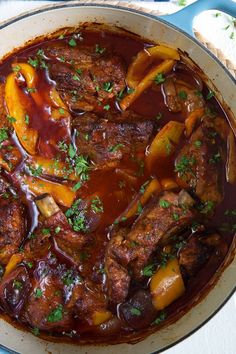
pixel 218 336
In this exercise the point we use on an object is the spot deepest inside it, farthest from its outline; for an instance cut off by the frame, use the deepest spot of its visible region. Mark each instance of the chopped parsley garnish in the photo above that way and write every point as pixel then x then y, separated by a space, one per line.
pixel 56 314
pixel 11 119
pixel 206 207
pixel 61 36
pixel 149 270
pixel 79 71
pixel 76 217
pixel 198 143
pixel 175 216
pixel 215 158
pixel 71 151
pixel 68 278
pixel 26 119
pixel 35 172
pixel 159 79
pixel 72 42
pixel 31 89
pixel 35 331
pixel 34 62
pixel 97 205
pixel 120 94
pixel 182 95
pixel 107 86
pixel 159 116
pixel 143 187
pixel 165 257
pixel 164 204
pixel 135 311
pixel 81 167
pixel 29 264
pixel 116 147
pixel 3 134
pixel 99 49
pixel 185 165
pixel 130 90
pixel 107 107
pixel 139 208
pixel 61 110
pixel 38 293
pixel 160 318
pixel 210 95
pixel 46 231
pixel 76 77
pixel 16 68
pixel 17 284
pixel 76 186
pixel 57 229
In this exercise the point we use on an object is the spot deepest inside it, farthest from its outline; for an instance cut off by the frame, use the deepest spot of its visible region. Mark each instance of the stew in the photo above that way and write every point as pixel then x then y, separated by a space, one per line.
pixel 117 186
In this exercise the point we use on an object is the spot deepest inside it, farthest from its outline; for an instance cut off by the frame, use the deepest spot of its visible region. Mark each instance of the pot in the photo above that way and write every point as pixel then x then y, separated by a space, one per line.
pixel 26 27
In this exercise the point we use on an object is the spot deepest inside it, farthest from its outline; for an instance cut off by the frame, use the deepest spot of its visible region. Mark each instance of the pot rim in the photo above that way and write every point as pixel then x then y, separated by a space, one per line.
pixel 78 4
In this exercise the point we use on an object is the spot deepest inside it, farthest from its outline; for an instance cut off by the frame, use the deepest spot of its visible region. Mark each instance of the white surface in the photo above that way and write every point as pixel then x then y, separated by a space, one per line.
pixel 219 335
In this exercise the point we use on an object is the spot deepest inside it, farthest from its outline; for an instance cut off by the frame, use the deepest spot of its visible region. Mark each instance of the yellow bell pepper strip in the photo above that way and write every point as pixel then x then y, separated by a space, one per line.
pixel 27 136
pixel 167 285
pixel 100 317
pixel 13 262
pixel 147 81
pixel 168 184
pixel 152 188
pixel 62 194
pixel 164 143
pixel 145 58
pixel 52 168
pixel 192 119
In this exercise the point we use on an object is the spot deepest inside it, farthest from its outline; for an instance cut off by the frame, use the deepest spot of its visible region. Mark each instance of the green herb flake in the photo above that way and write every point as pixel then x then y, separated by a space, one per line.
pixel 160 318
pixel 97 205
pixel 215 158
pixel 11 119
pixel 182 95
pixel 31 89
pixel 16 68
pixel 198 143
pixel 206 207
pixel 184 165
pixel 71 151
pixel 56 314
pixel 139 208
pixel 46 231
pixel 61 110
pixel 17 284
pixel 72 42
pixel 26 119
pixel 57 229
pixel 107 107
pixel 3 134
pixel 135 311
pixel 99 50
pixel 35 172
pixel 164 204
pixel 33 62
pixel 38 293
pixel 76 187
pixel 149 270
pixel 175 216
pixel 182 2
pixel 115 148
pixel 29 264
pixel 210 95
pixel 159 116
pixel 159 79
pixel 35 331
pixel 61 36
pixel 108 86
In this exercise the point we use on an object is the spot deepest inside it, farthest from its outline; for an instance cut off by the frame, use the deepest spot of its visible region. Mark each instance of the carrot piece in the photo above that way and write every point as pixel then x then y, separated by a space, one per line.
pixel 167 285
pixel 144 59
pixel 62 194
pixel 27 136
pixel 192 119
pixel 164 143
pixel 101 317
pixel 147 81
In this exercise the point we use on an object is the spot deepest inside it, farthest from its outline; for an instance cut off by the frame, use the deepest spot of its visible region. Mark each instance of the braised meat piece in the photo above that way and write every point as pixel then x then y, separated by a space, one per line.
pixel 85 78
pixel 200 163
pixel 130 250
pixel 12 222
pixel 197 251
pixel 179 96
pixel 107 141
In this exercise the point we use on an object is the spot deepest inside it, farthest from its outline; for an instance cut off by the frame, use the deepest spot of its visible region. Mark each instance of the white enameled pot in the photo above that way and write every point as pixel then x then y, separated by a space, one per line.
pixel 16 32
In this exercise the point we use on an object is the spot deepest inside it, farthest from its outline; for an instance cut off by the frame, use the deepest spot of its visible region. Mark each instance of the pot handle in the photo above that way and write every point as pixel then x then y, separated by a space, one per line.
pixel 184 18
